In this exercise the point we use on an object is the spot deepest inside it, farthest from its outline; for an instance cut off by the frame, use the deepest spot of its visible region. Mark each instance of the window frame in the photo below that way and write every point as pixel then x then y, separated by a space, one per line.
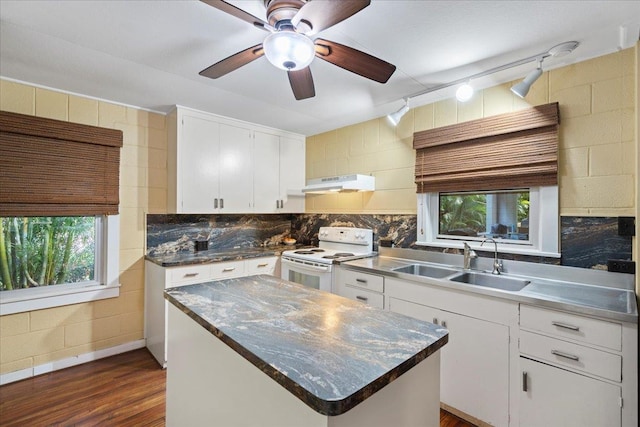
pixel 544 220
pixel 105 285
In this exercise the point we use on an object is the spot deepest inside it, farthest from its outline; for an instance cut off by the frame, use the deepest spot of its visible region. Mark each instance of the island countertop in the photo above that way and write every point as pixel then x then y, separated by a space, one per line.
pixel 330 352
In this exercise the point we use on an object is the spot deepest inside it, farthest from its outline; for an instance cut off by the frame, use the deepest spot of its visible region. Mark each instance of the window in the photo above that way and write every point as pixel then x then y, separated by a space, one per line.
pixel 59 221
pixel 43 274
pixel 493 177
pixel 48 251
pixel 522 221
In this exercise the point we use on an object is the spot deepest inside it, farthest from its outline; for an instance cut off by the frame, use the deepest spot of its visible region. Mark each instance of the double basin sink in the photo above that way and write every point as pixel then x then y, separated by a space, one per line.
pixel 493 281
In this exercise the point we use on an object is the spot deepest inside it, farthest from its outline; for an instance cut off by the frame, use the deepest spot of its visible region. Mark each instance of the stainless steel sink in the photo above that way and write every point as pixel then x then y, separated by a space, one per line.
pixel 425 270
pixel 491 281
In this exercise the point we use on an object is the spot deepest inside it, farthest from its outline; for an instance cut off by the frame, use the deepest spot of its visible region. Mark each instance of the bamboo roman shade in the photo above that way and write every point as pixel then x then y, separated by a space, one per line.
pixel 54 168
pixel 513 150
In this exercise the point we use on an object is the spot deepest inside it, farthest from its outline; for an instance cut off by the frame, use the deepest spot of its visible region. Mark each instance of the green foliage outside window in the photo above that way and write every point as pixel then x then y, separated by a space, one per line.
pixel 466 214
pixel 44 251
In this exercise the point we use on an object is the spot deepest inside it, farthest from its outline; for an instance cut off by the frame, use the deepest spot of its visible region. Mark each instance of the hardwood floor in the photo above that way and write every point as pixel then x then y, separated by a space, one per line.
pixel 123 390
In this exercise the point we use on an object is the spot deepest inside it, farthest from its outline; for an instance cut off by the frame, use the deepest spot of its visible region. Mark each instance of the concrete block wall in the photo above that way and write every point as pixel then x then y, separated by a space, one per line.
pixel 34 338
pixel 598 142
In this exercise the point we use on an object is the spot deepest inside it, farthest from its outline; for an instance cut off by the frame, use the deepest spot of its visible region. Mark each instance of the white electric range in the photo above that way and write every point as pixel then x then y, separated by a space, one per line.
pixel 314 266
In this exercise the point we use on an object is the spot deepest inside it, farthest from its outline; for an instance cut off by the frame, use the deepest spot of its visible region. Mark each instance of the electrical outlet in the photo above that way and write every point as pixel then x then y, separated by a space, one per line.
pixel 621 266
pixel 626 226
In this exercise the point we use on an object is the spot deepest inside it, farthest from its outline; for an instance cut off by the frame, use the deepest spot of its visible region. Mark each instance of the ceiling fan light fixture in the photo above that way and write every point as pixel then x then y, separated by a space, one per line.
pixel 464 92
pixel 289 50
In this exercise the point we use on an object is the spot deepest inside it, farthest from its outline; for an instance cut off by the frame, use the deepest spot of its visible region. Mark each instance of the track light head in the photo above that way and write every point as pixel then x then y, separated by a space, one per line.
pixel 521 89
pixel 464 92
pixel 394 118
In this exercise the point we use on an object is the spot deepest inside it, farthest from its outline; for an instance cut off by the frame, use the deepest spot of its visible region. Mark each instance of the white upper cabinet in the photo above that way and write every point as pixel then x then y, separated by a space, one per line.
pixel 220 165
pixel 292 174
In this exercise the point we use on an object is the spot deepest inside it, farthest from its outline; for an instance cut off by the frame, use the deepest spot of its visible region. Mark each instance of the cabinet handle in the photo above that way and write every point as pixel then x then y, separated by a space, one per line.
pixel 221 203
pixel 224 270
pixel 565 325
pixel 215 203
pixel 525 381
pixel 277 204
pixel 444 324
pixel 361 298
pixel 361 281
pixel 281 204
pixel 565 355
pixel 191 274
pixel 435 320
pixel 262 265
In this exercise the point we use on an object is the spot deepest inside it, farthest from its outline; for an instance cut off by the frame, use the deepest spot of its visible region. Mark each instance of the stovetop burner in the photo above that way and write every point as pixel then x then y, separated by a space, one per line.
pixel 338 255
pixel 304 252
pixel 316 250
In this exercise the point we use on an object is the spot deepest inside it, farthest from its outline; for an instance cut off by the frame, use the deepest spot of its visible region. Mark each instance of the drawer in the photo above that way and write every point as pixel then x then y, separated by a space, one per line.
pixel 220 270
pixel 361 280
pixel 265 265
pixel 374 299
pixel 576 356
pixel 572 326
pixel 190 274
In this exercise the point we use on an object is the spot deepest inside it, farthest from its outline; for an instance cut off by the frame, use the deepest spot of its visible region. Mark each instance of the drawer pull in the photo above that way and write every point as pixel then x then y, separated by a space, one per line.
pixel 565 355
pixel 435 320
pixel 565 326
pixel 525 384
pixel 444 324
pixel 191 274
pixel 225 270
pixel 263 265
pixel 361 298
pixel 361 281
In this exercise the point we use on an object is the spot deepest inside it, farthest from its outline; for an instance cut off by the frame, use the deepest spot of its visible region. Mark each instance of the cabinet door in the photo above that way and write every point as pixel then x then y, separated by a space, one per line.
pixel 266 180
pixel 555 397
pixel 198 173
pixel 292 174
pixel 474 370
pixel 236 169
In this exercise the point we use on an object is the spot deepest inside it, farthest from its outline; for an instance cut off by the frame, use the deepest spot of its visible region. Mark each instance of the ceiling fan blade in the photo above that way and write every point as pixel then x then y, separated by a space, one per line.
pixel 354 60
pixel 320 15
pixel 238 13
pixel 302 83
pixel 233 62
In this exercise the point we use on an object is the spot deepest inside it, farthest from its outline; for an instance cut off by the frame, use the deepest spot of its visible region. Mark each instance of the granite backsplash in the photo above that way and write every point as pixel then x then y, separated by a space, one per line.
pixel 586 242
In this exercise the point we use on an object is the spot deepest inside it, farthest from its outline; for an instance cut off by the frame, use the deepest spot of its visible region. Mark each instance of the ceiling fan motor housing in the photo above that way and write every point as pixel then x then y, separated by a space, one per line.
pixel 278 10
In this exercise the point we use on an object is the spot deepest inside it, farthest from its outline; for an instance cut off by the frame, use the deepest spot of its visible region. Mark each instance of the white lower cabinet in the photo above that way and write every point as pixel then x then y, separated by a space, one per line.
pixel 363 287
pixel 556 397
pixel 158 278
pixel 474 371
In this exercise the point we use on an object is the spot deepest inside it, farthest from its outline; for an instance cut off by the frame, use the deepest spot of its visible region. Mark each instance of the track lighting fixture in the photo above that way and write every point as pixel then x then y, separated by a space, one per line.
pixel 394 118
pixel 465 92
pixel 521 89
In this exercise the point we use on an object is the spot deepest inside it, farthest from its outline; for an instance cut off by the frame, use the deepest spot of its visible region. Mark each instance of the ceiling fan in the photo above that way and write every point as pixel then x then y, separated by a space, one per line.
pixel 289 46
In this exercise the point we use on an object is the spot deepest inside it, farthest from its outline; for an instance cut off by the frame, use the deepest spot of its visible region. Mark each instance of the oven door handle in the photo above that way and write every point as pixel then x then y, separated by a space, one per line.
pixel 307 267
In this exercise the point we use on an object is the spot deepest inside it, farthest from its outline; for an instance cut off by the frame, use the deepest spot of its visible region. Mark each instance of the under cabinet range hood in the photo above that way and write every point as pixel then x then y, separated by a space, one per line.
pixel 343 183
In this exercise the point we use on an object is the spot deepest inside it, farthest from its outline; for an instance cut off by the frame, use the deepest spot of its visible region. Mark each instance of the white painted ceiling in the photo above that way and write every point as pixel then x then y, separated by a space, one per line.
pixel 148 53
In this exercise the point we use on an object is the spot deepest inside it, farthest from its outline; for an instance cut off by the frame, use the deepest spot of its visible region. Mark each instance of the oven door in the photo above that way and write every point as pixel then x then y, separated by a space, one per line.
pixel 317 276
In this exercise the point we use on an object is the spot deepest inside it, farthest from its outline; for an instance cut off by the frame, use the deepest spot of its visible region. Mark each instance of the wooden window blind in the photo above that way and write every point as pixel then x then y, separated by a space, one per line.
pixel 54 168
pixel 513 150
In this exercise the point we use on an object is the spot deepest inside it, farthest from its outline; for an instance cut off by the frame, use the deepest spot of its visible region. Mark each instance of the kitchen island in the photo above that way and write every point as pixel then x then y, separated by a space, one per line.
pixel 263 351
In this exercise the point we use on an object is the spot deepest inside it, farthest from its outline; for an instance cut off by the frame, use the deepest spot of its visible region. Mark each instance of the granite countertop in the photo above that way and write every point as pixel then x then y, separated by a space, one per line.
pixel 578 290
pixel 216 255
pixel 329 351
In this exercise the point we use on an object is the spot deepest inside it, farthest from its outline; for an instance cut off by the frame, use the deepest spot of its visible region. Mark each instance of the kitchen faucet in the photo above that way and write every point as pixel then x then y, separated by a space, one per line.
pixel 497 264
pixel 469 254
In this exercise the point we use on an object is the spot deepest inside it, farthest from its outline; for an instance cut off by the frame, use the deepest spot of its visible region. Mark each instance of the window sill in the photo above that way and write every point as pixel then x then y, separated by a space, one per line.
pixel 48 297
pixel 502 248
